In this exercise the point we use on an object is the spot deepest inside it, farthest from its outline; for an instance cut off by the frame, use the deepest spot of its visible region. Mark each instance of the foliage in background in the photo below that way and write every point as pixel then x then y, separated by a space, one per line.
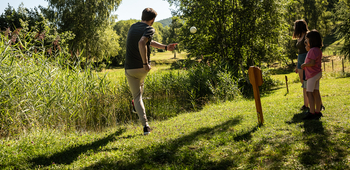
pixel 231 31
pixel 106 46
pixel 245 22
pixel 87 20
pixel 268 84
pixel 10 18
pixel 165 22
pixel 343 30
pixel 42 39
pixel 121 28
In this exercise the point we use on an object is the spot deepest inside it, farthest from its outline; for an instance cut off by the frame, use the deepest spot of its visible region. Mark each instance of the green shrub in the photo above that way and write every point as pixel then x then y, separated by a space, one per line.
pixel 166 93
pixel 247 89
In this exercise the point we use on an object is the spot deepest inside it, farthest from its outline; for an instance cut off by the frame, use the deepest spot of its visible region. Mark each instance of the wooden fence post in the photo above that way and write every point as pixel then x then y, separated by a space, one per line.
pixel 332 66
pixel 287 84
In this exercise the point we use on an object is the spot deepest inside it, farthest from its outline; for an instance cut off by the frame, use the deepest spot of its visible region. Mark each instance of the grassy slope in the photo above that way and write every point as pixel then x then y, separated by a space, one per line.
pixel 221 136
pixel 332 45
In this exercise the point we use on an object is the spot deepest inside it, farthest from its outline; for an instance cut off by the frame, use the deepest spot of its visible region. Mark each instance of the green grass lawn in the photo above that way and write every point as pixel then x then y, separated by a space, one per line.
pixel 220 136
pixel 168 55
pixel 159 61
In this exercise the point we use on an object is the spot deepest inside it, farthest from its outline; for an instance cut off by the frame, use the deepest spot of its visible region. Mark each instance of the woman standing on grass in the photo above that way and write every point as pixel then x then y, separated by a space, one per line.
pixel 300 30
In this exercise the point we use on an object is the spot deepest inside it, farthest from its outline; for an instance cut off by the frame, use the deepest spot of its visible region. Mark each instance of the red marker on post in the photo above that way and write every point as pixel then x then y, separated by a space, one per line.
pixel 256 80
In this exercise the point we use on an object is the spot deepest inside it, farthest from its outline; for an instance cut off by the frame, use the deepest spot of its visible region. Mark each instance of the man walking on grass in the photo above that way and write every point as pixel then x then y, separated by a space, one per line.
pixel 137 60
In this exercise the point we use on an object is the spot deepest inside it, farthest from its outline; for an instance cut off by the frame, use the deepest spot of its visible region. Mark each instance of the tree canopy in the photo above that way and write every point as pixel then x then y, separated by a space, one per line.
pixel 87 19
pixel 231 33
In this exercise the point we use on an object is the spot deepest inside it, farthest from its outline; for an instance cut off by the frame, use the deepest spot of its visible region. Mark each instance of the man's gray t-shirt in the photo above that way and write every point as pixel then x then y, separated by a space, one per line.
pixel 133 58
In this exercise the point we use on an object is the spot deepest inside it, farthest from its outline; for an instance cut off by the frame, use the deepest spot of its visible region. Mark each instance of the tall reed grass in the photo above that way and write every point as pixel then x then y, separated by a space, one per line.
pixel 42 90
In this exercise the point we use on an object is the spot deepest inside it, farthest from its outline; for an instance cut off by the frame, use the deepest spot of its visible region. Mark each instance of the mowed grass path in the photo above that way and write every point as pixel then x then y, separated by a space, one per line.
pixel 220 136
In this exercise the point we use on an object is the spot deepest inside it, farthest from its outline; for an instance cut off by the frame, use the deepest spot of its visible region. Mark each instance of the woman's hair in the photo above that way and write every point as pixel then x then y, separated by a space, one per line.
pixel 148 14
pixel 315 39
pixel 300 27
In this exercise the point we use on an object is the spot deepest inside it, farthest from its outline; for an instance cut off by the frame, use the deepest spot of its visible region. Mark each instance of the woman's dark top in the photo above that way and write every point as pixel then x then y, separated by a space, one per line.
pixel 301 46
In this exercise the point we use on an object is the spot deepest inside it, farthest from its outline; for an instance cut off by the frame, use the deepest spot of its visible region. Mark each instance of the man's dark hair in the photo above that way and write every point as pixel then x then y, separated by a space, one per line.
pixel 300 27
pixel 148 14
pixel 315 39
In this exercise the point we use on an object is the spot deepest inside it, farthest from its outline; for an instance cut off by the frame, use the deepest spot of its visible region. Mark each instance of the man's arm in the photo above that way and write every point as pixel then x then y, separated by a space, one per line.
pixel 143 52
pixel 156 44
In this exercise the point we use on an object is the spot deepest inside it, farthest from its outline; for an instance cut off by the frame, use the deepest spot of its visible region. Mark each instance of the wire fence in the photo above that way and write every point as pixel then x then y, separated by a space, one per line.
pixel 335 64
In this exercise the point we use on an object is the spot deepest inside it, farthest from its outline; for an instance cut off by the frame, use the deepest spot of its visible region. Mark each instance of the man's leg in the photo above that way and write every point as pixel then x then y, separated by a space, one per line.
pixel 135 79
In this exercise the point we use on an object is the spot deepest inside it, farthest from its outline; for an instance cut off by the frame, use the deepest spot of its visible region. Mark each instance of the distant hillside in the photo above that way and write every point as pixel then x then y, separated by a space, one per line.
pixel 165 22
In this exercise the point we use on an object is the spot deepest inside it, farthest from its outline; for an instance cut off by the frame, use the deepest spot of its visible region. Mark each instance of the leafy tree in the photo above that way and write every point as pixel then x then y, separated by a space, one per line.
pixel 10 18
pixel 343 29
pixel 174 32
pixel 107 43
pixel 122 28
pixel 87 19
pixel 317 16
pixel 332 4
pixel 293 10
pixel 231 32
pixel 42 39
pixel 159 31
pixel 165 22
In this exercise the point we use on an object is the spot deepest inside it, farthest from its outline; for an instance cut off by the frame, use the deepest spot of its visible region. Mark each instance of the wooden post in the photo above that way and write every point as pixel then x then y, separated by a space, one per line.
pixel 287 84
pixel 324 66
pixel 332 66
pixel 256 80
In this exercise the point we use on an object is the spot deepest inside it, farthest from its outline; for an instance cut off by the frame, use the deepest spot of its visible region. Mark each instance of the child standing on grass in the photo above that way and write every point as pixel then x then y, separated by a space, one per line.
pixel 313 73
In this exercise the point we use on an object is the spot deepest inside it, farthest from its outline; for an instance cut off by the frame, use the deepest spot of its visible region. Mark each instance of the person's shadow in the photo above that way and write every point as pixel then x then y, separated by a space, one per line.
pixel 317 138
pixel 71 154
pixel 182 149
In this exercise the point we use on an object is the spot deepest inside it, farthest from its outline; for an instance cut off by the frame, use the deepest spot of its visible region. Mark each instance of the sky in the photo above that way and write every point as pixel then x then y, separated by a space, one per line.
pixel 128 9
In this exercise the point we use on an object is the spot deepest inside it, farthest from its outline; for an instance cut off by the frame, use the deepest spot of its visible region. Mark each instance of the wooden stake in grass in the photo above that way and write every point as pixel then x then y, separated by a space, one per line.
pixel 287 84
pixel 256 80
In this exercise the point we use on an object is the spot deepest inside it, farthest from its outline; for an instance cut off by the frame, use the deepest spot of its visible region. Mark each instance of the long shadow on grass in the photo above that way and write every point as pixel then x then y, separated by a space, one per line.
pixel 71 154
pixel 181 153
pixel 322 150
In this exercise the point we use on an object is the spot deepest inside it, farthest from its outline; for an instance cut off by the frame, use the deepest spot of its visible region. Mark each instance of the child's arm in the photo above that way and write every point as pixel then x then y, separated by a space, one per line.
pixel 308 64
